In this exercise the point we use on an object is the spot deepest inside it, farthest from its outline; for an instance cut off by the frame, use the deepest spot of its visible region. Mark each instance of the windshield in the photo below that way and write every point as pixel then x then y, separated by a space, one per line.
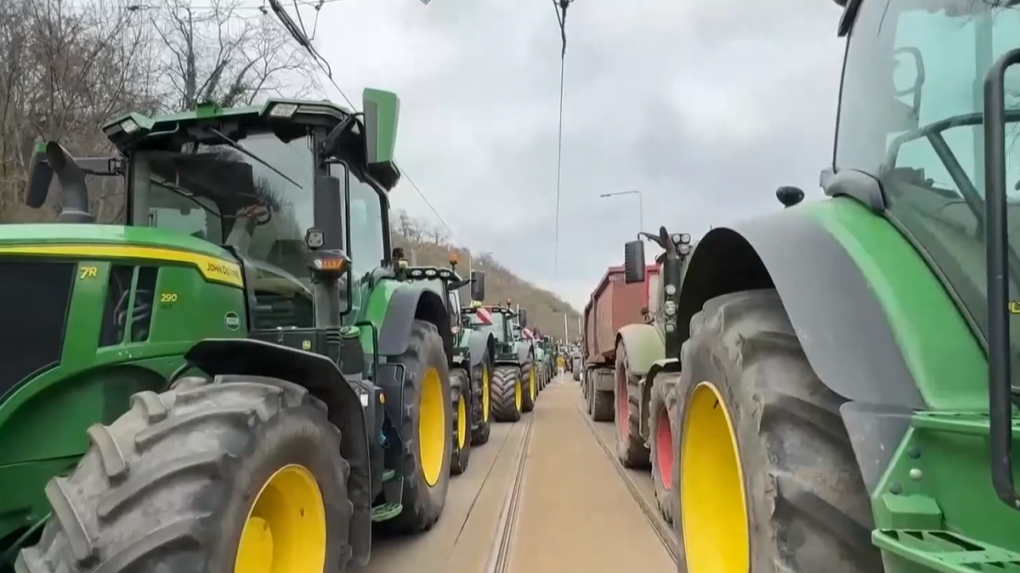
pixel 496 328
pixel 911 115
pixel 262 212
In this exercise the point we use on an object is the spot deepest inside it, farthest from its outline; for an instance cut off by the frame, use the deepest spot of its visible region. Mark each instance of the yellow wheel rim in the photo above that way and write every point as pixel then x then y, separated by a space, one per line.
pixel 518 395
pixel 431 427
pixel 485 393
pixel 286 527
pixel 461 422
pixel 532 387
pixel 712 501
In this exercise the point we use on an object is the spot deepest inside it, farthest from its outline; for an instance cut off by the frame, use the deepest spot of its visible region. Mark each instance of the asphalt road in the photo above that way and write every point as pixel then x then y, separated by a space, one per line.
pixel 542 496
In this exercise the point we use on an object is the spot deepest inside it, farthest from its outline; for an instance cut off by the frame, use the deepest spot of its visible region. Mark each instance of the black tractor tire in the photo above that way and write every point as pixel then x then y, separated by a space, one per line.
pixel 505 381
pixel 170 484
pixel 807 507
pixel 662 416
pixel 483 417
pixel 529 376
pixel 460 391
pixel 423 503
pixel 602 407
pixel 631 449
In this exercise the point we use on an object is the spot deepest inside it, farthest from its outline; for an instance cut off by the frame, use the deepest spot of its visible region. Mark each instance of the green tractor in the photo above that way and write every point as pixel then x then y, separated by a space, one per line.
pixel 644 382
pixel 513 386
pixel 848 367
pixel 470 363
pixel 544 358
pixel 234 380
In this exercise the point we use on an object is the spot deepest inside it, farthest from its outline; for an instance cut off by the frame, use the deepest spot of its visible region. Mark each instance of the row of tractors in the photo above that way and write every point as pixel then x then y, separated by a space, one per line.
pixel 245 376
pixel 833 387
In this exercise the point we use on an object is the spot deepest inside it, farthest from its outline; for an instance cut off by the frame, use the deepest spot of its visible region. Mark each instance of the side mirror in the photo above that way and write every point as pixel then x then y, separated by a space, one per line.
pixel 522 318
pixel 381 112
pixel 40 176
pixel 634 262
pixel 329 213
pixel 477 285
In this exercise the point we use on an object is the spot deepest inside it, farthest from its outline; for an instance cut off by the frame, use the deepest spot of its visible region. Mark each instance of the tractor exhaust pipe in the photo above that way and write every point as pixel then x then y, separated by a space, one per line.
pixel 51 159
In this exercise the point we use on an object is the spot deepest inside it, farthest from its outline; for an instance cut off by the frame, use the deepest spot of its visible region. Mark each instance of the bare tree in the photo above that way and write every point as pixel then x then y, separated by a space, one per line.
pixel 226 53
pixel 65 70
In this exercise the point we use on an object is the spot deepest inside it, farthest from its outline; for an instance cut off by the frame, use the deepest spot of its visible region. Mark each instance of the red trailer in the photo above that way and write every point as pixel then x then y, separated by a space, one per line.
pixel 613 304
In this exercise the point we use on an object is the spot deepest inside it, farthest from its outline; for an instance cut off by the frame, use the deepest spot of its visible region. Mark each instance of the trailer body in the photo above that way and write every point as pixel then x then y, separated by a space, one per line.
pixel 613 304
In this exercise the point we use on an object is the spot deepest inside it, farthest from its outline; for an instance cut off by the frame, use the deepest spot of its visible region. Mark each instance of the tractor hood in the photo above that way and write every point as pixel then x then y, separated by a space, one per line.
pixel 105 242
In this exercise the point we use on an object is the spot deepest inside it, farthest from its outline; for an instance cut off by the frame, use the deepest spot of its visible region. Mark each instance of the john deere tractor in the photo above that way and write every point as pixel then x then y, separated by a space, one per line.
pixel 470 363
pixel 848 366
pixel 234 380
pixel 513 386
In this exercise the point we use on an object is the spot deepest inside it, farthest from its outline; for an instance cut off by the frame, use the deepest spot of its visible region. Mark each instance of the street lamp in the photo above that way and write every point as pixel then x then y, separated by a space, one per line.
pixel 641 206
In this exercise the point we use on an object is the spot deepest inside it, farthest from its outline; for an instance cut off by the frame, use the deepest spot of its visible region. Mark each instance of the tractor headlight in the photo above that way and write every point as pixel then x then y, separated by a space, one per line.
pixel 430 273
pixel 445 274
pixel 670 290
pixel 314 239
pixel 417 273
pixel 283 110
pixel 129 126
pixel 684 249
pixel 685 238
pixel 675 238
pixel 670 308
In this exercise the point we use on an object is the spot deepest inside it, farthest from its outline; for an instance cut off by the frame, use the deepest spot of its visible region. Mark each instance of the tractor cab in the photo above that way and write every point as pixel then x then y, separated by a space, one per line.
pixel 926 134
pixel 446 282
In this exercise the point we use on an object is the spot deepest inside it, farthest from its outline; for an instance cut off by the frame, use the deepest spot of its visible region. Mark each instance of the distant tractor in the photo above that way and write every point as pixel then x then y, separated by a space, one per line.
pixel 235 380
pixel 514 381
pixel 848 365
pixel 469 371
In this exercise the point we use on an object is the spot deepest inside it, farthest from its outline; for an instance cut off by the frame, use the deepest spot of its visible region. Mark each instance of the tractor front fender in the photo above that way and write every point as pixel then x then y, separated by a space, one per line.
pixel 644 347
pixel 317 373
pixel 841 324
pixel 406 304
pixel 480 344
pixel 524 354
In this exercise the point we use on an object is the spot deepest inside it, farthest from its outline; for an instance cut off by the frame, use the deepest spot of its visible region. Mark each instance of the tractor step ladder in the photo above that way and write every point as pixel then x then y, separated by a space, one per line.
pixel 386 511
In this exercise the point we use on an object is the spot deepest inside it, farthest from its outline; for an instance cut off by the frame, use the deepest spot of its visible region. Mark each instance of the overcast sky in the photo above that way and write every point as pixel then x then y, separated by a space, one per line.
pixel 705 106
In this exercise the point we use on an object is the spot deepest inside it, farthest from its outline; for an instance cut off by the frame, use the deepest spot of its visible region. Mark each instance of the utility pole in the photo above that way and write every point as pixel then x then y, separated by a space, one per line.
pixel 566 332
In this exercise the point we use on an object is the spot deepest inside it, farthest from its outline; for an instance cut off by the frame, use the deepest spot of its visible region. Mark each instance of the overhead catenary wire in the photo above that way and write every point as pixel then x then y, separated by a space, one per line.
pixel 297 32
pixel 560 6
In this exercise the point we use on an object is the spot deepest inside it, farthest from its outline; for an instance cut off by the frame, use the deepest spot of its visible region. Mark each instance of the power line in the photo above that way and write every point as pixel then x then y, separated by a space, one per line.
pixel 297 32
pixel 560 6
pixel 314 4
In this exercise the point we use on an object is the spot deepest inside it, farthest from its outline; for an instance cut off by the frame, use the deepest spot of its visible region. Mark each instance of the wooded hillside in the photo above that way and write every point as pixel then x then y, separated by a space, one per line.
pixel 425 244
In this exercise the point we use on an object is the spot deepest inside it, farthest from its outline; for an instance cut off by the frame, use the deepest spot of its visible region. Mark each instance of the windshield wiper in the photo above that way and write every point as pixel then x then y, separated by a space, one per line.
pixel 183 193
pixel 235 145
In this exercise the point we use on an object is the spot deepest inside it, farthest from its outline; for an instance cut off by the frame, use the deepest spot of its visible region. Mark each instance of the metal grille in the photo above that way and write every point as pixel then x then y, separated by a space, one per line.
pixel 34 299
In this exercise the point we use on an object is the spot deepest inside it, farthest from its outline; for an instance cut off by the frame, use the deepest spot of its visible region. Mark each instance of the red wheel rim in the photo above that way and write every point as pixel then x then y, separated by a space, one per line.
pixel 622 405
pixel 664 449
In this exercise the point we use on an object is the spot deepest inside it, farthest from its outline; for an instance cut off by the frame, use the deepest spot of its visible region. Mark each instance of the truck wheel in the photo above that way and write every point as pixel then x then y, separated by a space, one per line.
pixel 767 478
pixel 507 394
pixel 662 416
pixel 427 430
pixel 601 400
pixel 630 445
pixel 483 403
pixel 530 389
pixel 203 479
pixel 460 386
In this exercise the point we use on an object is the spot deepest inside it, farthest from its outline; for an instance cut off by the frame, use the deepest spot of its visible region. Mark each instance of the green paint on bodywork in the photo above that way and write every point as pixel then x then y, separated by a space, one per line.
pixel 644 346
pixel 93 384
pixel 941 352
pixel 63 234
pixel 935 508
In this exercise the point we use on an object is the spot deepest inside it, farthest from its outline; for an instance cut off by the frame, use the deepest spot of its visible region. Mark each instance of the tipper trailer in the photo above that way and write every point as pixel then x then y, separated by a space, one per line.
pixel 613 304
